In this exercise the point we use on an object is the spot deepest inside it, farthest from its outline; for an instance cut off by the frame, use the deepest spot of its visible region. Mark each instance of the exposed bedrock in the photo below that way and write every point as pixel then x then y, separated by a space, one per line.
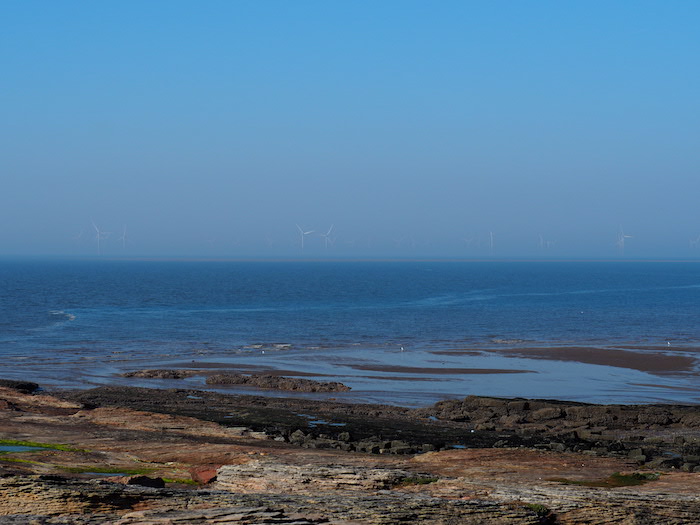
pixel 660 436
pixel 52 499
pixel 136 456
pixel 292 384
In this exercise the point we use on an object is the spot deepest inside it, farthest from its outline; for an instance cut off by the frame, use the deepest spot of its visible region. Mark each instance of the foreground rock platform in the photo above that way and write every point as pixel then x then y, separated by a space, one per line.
pixel 133 455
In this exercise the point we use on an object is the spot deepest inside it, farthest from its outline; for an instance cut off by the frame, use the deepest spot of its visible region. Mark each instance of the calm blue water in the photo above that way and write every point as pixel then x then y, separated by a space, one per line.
pixel 80 322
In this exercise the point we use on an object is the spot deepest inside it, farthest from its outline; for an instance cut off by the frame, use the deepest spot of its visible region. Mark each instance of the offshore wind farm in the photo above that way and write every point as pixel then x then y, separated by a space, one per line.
pixel 337 242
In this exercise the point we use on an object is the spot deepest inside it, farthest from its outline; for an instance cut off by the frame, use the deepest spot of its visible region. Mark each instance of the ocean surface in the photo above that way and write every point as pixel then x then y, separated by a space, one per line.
pixel 408 333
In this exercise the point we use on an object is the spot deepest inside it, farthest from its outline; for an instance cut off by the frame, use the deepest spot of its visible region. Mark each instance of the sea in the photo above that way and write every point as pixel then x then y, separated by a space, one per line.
pixel 401 332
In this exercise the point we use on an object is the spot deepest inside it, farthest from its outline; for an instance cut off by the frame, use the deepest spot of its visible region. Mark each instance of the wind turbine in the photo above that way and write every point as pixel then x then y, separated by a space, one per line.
pixel 545 244
pixel 99 235
pixel 491 242
pixel 326 237
pixel 303 234
pixel 621 236
pixel 398 241
pixel 694 242
pixel 123 238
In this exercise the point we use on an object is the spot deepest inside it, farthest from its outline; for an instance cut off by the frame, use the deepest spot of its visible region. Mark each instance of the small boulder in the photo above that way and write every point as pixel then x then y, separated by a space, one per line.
pixel 545 414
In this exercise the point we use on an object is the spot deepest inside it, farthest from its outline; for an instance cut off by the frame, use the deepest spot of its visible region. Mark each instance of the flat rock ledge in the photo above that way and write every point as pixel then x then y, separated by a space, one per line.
pixel 260 475
pixel 279 383
pixel 52 500
pixel 654 436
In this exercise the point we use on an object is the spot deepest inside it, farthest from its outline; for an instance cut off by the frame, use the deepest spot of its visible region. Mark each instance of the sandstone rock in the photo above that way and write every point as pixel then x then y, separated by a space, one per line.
pixel 544 414
pixel 267 475
pixel 243 515
pixel 204 473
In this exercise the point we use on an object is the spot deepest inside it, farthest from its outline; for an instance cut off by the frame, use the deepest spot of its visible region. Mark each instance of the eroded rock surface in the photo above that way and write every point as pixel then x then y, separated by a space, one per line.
pixel 258 475
pixel 245 459
pixel 659 436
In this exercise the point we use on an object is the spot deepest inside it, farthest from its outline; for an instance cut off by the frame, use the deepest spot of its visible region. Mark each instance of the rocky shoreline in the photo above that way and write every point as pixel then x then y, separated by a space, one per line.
pixel 255 459
pixel 656 436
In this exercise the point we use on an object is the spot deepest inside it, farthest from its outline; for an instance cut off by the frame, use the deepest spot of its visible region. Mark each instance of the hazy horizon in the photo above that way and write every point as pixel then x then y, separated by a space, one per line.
pixel 541 130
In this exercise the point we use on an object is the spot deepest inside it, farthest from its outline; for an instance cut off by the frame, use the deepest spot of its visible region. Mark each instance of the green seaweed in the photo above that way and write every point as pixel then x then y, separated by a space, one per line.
pixel 418 480
pixel 51 446
pixel 107 470
pixel 538 509
pixel 18 460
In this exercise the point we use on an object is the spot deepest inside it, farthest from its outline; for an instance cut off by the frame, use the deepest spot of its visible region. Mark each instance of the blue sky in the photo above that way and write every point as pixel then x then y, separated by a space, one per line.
pixel 414 128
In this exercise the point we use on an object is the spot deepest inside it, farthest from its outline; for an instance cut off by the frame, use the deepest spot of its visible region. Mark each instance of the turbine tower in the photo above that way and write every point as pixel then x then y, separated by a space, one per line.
pixel 122 238
pixel 326 237
pixel 621 236
pixel 99 235
pixel 303 234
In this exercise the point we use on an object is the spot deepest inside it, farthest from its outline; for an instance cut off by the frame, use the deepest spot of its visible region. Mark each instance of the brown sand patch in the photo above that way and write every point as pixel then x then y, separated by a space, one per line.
pixel 644 362
pixel 668 387
pixel 457 352
pixel 439 371
pixel 403 378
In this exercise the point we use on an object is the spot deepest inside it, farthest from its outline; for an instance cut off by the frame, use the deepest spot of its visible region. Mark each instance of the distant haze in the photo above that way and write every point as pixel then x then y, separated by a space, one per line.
pixel 413 128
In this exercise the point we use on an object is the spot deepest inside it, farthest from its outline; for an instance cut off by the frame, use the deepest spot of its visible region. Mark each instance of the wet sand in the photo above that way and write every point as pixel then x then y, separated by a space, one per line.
pixel 654 362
